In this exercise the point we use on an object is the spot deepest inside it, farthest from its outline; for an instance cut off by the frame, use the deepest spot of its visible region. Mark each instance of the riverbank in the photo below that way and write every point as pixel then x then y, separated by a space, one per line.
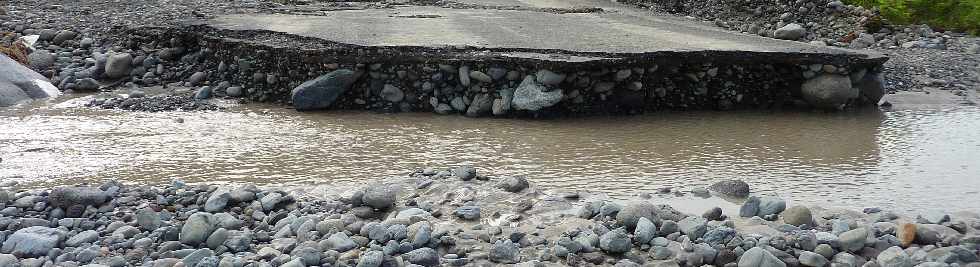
pixel 455 217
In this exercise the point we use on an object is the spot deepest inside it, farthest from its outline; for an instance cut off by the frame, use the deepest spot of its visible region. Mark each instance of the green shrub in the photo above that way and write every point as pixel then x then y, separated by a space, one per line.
pixel 959 15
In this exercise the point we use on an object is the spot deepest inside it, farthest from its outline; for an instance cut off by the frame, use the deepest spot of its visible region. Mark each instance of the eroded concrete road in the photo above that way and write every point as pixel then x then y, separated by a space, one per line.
pixel 615 29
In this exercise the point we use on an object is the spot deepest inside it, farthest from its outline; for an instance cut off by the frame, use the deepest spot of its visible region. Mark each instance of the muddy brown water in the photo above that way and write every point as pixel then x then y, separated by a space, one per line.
pixel 908 160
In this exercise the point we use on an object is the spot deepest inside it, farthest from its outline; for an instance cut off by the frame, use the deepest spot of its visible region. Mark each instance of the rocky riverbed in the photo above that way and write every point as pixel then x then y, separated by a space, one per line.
pixel 455 217
pixel 83 54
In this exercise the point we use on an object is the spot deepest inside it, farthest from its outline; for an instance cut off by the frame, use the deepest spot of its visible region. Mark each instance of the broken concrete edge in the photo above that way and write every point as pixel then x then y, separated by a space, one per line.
pixel 271 65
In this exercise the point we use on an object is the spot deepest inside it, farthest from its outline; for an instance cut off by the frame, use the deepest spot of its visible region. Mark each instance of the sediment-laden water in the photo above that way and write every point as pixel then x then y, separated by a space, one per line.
pixel 907 160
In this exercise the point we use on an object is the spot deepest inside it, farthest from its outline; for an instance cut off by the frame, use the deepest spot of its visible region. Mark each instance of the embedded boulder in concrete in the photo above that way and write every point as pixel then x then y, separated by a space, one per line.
pixel 321 92
pixel 19 84
pixel 829 91
pixel 532 96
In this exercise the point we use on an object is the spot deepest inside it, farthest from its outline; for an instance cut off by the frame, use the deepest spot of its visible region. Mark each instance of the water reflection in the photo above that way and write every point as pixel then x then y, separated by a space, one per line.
pixel 906 160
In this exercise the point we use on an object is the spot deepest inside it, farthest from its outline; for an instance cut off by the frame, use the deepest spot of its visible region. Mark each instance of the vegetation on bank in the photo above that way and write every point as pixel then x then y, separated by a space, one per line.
pixel 957 15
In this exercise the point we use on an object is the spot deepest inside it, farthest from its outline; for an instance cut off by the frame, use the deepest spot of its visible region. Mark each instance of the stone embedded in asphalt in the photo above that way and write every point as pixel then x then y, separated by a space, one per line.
pixel 731 188
pixel 532 96
pixel 630 213
pixel 829 91
pixel 548 77
pixel 392 93
pixel 615 242
pixel 34 241
pixel 323 91
pixel 118 65
pixel 481 105
pixel 791 31
pixel 480 76
pixel 797 216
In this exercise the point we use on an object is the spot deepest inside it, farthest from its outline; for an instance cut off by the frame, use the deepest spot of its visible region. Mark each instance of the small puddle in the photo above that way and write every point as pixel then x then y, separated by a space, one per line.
pixel 906 160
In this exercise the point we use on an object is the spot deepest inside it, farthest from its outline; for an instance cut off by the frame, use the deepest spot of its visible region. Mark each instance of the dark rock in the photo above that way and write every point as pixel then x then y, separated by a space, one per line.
pixel 321 92
pixel 731 188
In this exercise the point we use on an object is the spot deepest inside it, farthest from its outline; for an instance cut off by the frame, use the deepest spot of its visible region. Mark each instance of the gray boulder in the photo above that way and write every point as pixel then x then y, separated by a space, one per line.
pixel 930 234
pixel 731 188
pixel 392 93
pixel 693 226
pixel 894 257
pixel 40 60
pixel 8 260
pixel 812 259
pixel 481 105
pixel 532 96
pixel 771 205
pixel 87 236
pixel 423 256
pixel 513 184
pixel 749 208
pixel 64 197
pixel 828 91
pixel 339 242
pixel 504 251
pixel 218 200
pixel 197 229
pixel 34 241
pixel 791 31
pixel 371 259
pixel 19 84
pixel 631 213
pixel 759 257
pixel 63 36
pixel 378 197
pixel 615 242
pixel 645 231
pixel 321 92
pixel 118 65
pixel 853 240
pixel 797 216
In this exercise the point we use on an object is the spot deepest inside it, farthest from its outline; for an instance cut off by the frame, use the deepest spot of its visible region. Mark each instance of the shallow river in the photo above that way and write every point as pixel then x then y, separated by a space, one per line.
pixel 909 160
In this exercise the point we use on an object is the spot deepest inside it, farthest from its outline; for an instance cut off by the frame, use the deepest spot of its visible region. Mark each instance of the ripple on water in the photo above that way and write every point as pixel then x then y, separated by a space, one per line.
pixel 905 160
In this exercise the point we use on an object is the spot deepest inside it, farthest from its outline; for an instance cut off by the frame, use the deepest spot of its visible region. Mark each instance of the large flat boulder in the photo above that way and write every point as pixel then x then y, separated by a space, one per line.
pixel 321 92
pixel 19 83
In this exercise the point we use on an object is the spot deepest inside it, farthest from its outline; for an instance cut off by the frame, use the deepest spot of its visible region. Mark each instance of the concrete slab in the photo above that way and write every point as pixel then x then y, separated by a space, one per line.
pixel 613 31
